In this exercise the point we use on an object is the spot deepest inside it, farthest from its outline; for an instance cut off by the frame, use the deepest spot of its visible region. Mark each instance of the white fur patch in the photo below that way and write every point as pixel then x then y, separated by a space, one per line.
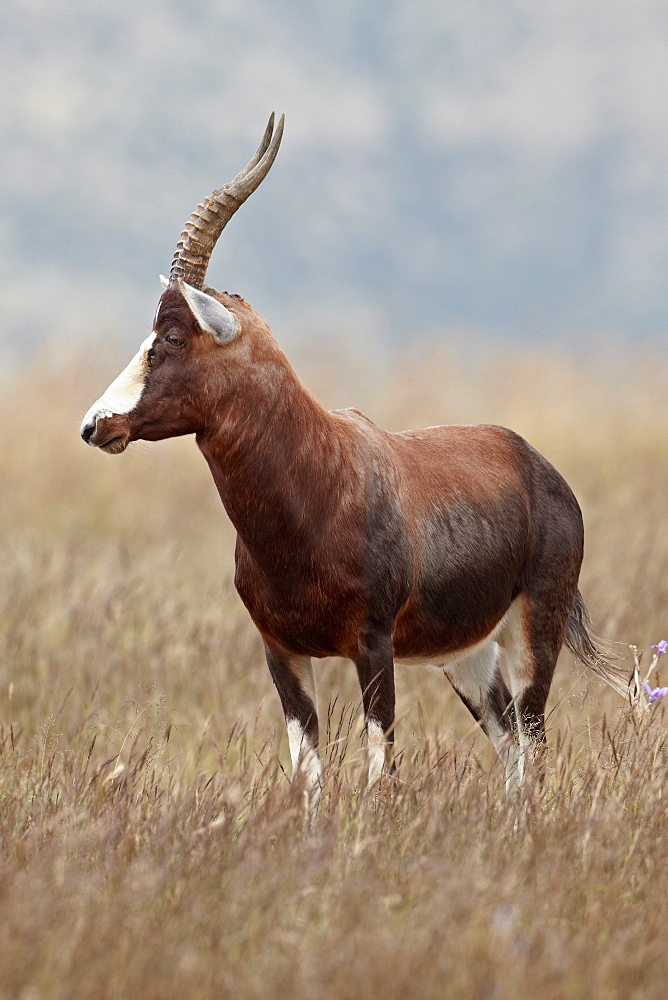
pixel 305 760
pixel 514 642
pixel 125 391
pixel 473 671
pixel 377 750
pixel 472 676
pixel 303 754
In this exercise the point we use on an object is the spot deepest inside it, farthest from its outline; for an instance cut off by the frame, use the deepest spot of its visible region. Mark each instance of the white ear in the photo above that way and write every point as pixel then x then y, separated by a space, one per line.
pixel 163 281
pixel 211 314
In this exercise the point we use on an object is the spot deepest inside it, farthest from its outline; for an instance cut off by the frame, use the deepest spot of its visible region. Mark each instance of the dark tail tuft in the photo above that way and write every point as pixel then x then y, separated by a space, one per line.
pixel 581 643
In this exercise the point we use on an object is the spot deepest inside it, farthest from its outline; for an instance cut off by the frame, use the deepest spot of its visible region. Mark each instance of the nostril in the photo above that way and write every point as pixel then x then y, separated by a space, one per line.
pixel 87 431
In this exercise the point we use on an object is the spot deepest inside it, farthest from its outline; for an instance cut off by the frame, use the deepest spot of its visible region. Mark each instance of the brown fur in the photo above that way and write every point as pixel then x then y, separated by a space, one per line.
pixel 358 542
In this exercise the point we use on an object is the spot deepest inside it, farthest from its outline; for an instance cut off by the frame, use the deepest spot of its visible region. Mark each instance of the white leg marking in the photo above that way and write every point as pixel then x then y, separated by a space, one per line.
pixel 513 763
pixel 304 755
pixel 125 391
pixel 377 748
pixel 473 676
pixel 305 761
pixel 519 663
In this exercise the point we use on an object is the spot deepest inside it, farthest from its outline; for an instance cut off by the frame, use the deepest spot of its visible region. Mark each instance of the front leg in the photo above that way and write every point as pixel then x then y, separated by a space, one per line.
pixel 295 683
pixel 375 669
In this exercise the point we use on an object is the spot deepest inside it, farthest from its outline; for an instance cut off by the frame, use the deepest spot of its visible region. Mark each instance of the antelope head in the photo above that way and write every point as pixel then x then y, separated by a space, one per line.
pixel 165 389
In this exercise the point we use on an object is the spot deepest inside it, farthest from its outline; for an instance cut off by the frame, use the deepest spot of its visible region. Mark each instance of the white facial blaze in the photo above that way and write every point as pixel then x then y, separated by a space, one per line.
pixel 125 391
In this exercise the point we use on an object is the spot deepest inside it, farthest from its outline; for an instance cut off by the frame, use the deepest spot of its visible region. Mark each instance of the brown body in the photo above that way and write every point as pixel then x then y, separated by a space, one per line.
pixel 456 546
pixel 343 527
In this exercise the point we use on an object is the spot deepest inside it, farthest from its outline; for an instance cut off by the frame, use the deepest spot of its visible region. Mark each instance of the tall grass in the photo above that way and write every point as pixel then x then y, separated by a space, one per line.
pixel 152 845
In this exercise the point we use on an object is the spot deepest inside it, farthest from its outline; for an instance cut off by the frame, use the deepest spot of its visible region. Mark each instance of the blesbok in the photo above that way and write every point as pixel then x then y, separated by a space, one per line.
pixel 454 546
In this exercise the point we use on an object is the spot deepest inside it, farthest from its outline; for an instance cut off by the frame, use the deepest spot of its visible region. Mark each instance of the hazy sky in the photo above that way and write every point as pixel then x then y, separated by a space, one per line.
pixel 500 167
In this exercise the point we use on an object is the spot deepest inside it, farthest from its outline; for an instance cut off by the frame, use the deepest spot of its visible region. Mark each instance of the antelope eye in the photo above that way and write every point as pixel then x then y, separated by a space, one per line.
pixel 175 341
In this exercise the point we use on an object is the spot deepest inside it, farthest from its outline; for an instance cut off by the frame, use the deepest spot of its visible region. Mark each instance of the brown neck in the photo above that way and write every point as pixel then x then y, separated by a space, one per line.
pixel 276 457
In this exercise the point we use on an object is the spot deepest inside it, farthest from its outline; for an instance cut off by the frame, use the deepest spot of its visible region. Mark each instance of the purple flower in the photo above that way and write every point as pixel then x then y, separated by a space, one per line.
pixel 661 647
pixel 654 694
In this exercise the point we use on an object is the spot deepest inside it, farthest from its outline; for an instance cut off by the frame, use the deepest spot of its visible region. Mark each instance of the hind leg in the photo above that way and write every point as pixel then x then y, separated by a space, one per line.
pixel 477 680
pixel 530 641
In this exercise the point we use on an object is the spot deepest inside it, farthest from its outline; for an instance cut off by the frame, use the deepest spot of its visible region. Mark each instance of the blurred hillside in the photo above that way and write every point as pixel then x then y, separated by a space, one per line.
pixel 493 167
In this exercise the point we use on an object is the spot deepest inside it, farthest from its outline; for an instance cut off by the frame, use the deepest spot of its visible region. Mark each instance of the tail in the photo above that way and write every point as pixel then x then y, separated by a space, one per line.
pixel 581 643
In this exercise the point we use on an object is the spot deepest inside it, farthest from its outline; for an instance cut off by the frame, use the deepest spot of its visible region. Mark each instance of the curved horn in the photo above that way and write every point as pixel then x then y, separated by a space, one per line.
pixel 211 216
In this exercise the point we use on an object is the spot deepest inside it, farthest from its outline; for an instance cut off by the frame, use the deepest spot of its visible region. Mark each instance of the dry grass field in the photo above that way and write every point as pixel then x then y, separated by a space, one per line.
pixel 152 846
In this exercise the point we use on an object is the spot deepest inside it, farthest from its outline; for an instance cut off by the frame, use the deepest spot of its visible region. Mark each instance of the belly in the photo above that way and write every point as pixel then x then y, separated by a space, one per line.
pixel 412 654
pixel 435 631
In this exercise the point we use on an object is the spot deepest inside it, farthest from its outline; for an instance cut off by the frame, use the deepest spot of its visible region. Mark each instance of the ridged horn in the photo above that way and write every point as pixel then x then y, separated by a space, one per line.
pixel 207 222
